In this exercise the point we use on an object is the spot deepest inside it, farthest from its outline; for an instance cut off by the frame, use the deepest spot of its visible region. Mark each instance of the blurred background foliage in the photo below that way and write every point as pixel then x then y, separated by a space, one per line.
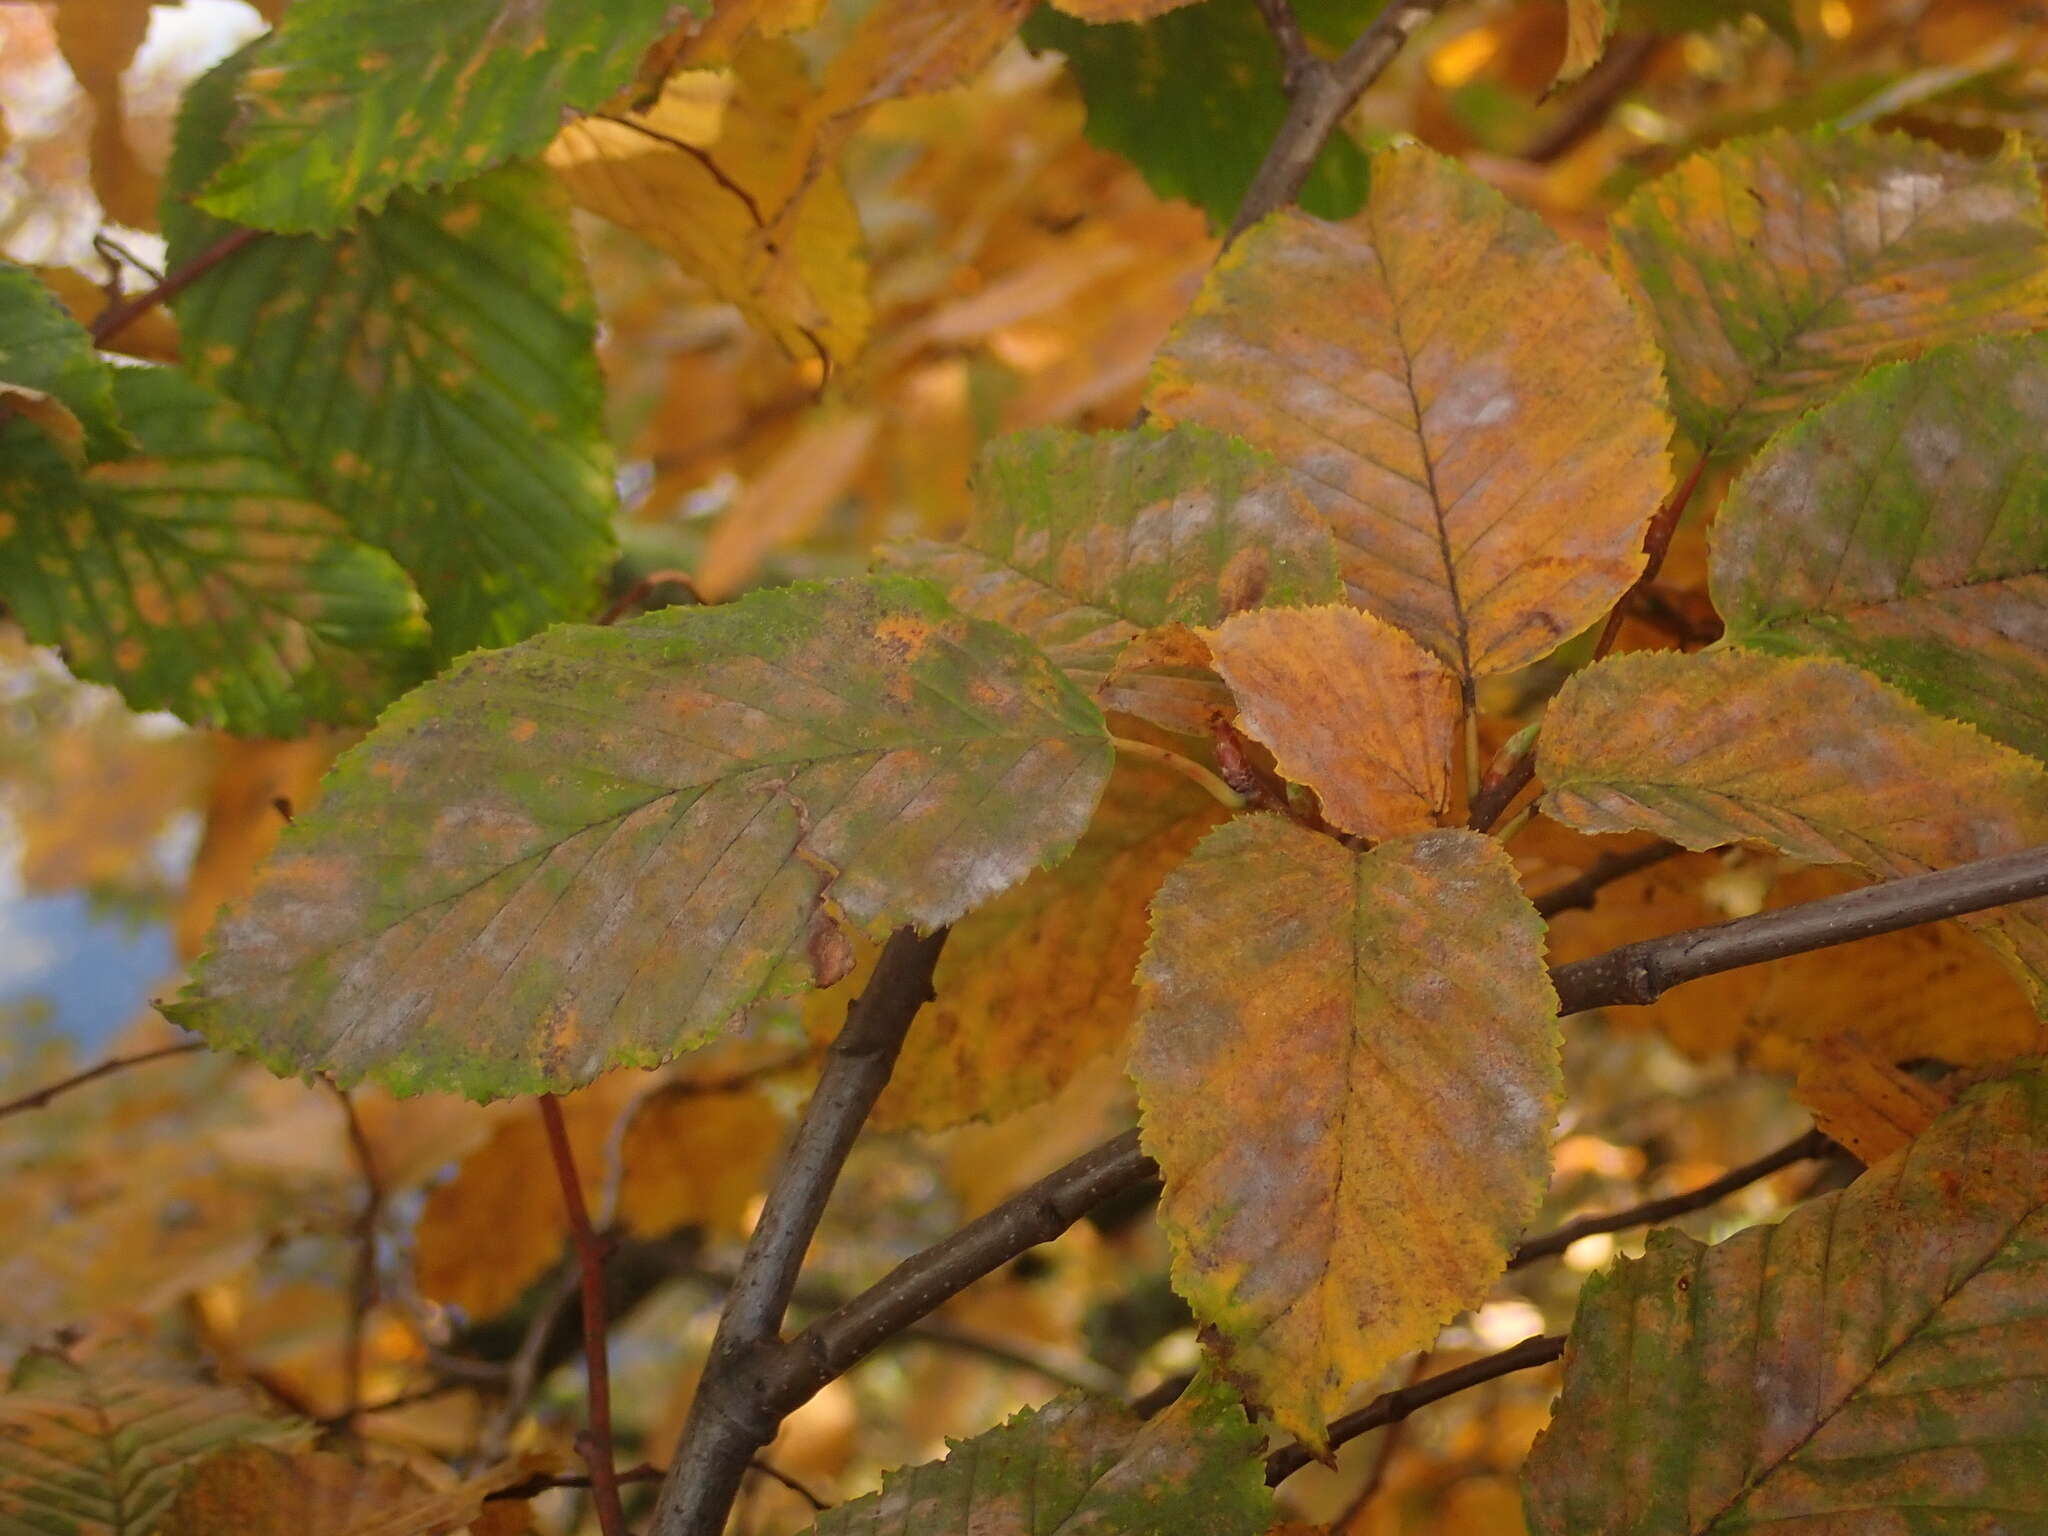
pixel 992 261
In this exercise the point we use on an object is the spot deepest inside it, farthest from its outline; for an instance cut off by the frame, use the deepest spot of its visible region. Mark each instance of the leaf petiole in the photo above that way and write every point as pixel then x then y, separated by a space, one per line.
pixel 1186 767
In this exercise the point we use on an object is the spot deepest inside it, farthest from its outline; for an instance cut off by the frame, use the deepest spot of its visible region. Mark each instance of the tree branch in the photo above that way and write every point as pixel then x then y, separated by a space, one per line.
pixel 1319 95
pixel 733 1414
pixel 1603 872
pixel 596 1443
pixel 1392 1407
pixel 42 1096
pixel 1295 58
pixel 363 1290
pixel 791 1373
pixel 1800 1149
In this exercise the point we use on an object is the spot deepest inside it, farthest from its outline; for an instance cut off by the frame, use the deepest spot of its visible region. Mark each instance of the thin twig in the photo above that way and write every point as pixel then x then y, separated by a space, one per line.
pixel 1800 1149
pixel 731 1416
pixel 789 1375
pixel 1295 56
pixel 113 1064
pixel 1603 872
pixel 521 1376
pixel 1656 544
pixel 128 311
pixel 595 1444
pixel 1392 1407
pixel 545 1482
pixel 775 1474
pixel 1318 97
pixel 643 589
pixel 363 1291
pixel 1186 767
pixel 1498 791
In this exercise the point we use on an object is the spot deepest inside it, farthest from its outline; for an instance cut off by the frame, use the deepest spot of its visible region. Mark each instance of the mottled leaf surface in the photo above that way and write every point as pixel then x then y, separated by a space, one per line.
pixel 1193 97
pixel 1353 1119
pixel 49 372
pixel 1038 983
pixel 1777 268
pixel 1904 526
pixel 98 1447
pixel 1588 25
pixel 199 576
pixel 1873 1363
pixel 1351 707
pixel 1488 464
pixel 600 846
pixel 1086 542
pixel 1081 1467
pixel 1810 756
pixel 432 378
pixel 350 99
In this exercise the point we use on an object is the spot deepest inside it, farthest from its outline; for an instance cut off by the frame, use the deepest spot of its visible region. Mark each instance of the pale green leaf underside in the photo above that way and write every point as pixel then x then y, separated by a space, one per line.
pixel 1352 1119
pixel 350 99
pixel 1876 1362
pixel 1081 1467
pixel 1776 269
pixel 431 374
pixel 100 1448
pixel 1904 527
pixel 1086 542
pixel 599 847
pixel 44 350
pixel 198 576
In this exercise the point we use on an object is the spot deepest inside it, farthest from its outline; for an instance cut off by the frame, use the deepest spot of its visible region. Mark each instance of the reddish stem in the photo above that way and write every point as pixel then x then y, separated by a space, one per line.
pixel 1656 544
pixel 595 1444
pixel 128 311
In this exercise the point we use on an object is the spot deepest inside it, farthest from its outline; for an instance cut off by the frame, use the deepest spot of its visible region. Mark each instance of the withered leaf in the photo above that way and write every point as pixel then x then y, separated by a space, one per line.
pixel 1351 1109
pixel 600 846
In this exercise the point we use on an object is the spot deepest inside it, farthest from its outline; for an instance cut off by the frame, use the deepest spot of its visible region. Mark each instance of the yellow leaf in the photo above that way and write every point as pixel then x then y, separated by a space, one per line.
pixel 696 1157
pixel 1348 1069
pixel 1351 707
pixel 1488 458
pixel 252 1490
pixel 99 39
pixel 703 181
pixel 785 501
pixel 495 1227
pixel 1812 757
pixel 1588 25
pixel 1038 982
pixel 153 335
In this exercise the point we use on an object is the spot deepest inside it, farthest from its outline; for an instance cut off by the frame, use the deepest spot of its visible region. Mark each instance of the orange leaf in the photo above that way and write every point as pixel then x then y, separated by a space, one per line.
pixel 1351 707
pixel 1488 460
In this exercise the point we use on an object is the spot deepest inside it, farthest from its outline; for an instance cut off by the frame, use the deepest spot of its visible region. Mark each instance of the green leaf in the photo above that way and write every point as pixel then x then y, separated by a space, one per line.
pixel 1193 97
pixel 1904 527
pixel 1352 1117
pixel 351 99
pixel 1081 1465
pixel 1809 756
pixel 1876 1362
pixel 1775 269
pixel 431 374
pixel 50 372
pixel 198 576
pixel 1086 542
pixel 600 846
pixel 1705 15
pixel 99 1447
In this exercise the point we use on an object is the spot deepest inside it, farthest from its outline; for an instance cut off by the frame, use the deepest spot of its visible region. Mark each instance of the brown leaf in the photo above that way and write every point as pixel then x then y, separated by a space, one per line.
pixel 696 1157
pixel 1862 1100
